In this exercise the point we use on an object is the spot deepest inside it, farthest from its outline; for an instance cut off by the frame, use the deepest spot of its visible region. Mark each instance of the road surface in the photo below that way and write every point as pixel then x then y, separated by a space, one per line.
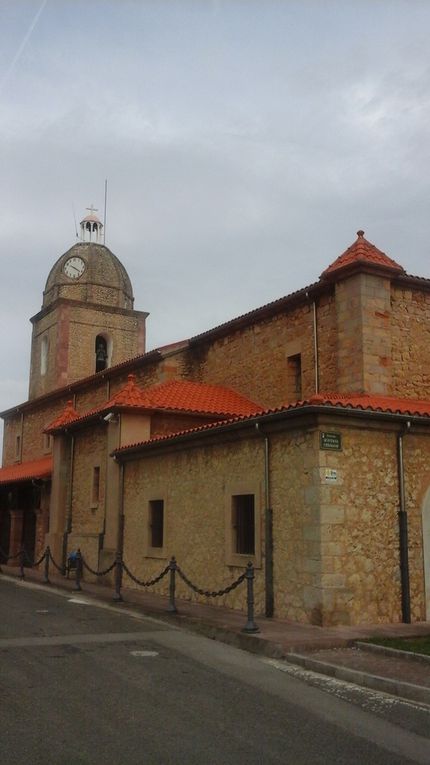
pixel 85 682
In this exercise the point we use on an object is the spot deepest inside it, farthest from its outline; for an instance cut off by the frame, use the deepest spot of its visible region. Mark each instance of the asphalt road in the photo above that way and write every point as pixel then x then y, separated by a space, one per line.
pixel 94 684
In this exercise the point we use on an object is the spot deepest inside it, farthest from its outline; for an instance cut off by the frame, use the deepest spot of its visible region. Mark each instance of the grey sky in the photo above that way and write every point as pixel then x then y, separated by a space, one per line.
pixel 244 142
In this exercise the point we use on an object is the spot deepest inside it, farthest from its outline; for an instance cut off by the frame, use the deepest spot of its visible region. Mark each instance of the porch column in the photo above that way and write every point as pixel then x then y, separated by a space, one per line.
pixel 15 538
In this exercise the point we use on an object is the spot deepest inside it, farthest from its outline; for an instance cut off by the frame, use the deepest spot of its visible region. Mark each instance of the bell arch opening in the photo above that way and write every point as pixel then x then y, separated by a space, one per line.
pixel 103 352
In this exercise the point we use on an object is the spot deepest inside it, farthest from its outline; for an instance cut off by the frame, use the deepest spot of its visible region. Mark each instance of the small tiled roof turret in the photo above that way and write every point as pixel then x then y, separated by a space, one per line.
pixel 365 253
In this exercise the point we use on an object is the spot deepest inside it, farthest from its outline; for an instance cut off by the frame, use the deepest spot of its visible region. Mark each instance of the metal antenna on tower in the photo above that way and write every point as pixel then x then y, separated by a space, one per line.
pixel 74 218
pixel 104 215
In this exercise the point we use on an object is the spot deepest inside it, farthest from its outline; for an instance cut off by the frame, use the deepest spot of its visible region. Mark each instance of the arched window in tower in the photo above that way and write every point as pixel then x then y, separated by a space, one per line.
pixel 101 349
pixel 44 346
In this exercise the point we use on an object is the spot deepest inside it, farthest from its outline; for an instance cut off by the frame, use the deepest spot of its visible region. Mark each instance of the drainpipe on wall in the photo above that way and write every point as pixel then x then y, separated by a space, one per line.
pixel 403 532
pixel 268 530
pixel 68 524
pixel 120 545
pixel 315 336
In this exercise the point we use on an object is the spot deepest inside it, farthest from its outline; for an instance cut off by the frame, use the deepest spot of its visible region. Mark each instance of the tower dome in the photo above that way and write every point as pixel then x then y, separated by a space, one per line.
pixel 89 272
pixel 87 322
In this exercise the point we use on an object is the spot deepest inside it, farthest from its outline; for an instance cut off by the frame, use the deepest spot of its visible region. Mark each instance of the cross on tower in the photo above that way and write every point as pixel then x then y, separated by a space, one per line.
pixel 92 209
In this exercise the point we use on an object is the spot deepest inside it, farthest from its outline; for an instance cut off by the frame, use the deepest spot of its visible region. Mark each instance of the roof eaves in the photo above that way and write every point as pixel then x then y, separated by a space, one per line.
pixel 292 411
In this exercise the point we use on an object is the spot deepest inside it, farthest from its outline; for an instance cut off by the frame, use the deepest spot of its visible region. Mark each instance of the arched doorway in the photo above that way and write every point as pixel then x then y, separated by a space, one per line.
pixel 426 550
pixel 4 535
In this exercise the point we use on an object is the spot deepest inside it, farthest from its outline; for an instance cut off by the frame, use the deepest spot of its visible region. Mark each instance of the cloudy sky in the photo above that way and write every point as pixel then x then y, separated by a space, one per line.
pixel 244 144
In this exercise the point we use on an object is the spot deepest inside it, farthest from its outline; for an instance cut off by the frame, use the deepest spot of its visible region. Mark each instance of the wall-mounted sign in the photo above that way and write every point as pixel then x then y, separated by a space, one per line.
pixel 331 441
pixel 330 475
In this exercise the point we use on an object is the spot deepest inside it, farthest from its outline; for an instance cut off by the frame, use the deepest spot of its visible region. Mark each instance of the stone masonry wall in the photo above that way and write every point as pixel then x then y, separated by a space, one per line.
pixel 360 574
pixel 253 360
pixel 71 330
pixel 327 342
pixel 88 515
pixel 410 332
pixel 294 489
pixel 196 485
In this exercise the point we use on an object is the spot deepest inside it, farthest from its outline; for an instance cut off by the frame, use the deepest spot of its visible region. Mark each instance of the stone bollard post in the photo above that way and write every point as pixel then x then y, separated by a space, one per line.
pixel 78 572
pixel 21 562
pixel 171 608
pixel 118 577
pixel 46 566
pixel 250 625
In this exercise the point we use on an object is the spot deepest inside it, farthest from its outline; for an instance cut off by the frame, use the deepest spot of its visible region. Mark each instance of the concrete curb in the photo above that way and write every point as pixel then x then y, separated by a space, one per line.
pixel 398 688
pixel 396 653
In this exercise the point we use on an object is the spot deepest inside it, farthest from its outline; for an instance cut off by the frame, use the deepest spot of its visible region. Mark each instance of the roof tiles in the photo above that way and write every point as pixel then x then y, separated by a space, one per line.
pixel 352 401
pixel 26 471
pixel 69 414
pixel 364 252
pixel 174 396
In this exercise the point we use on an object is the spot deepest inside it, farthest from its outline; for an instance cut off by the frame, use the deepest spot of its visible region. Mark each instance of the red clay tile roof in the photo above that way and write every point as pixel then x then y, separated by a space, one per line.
pixel 69 414
pixel 374 403
pixel 129 396
pixel 194 397
pixel 174 396
pixel 25 471
pixel 353 401
pixel 363 252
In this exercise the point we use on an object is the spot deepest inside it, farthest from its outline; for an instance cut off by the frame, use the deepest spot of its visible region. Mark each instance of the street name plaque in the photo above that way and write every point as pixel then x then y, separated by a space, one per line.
pixel 332 441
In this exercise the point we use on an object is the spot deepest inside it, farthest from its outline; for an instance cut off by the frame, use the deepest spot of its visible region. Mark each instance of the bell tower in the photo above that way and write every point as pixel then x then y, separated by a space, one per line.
pixel 87 321
pixel 91 227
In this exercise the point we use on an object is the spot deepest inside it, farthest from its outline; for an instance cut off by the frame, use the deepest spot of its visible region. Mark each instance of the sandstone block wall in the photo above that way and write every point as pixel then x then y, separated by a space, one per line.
pixel 253 360
pixel 410 332
pixel 196 485
pixel 71 330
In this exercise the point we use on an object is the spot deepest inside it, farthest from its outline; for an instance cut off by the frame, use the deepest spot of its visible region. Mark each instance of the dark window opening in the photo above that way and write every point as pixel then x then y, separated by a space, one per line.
pixel 96 485
pixel 101 353
pixel 156 522
pixel 244 524
pixel 294 371
pixel 18 447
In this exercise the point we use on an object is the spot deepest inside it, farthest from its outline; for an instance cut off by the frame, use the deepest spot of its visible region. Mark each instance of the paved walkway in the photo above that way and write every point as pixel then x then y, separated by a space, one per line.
pixel 323 649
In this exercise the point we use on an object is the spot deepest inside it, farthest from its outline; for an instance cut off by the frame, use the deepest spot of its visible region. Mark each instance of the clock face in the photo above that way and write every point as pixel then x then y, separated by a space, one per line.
pixel 74 268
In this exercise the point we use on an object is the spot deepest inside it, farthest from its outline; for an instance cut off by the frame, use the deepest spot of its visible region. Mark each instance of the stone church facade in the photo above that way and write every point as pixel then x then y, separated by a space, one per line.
pixel 295 436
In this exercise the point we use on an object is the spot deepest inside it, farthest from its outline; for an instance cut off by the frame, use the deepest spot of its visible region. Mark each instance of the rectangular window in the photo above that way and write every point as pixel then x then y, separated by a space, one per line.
pixel 243 521
pixel 294 377
pixel 18 447
pixel 156 523
pixel 95 495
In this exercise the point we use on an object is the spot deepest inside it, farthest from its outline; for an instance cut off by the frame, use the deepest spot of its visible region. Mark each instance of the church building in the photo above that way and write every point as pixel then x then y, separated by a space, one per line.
pixel 295 436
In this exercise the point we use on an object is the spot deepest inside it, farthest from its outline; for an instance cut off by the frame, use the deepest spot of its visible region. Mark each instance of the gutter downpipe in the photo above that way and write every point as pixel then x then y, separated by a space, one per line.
pixel 403 531
pixel 120 541
pixel 268 530
pixel 315 335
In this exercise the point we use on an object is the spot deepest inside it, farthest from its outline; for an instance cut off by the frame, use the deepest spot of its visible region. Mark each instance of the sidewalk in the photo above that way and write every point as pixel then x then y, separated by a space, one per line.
pixel 328 650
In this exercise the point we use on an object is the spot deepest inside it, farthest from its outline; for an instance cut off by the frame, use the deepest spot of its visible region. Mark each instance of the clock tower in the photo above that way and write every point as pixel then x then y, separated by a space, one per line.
pixel 87 321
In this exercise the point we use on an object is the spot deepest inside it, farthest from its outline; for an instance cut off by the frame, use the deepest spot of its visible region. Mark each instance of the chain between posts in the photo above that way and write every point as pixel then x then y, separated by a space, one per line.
pixel 97 573
pixel 150 582
pixel 172 568
pixel 211 593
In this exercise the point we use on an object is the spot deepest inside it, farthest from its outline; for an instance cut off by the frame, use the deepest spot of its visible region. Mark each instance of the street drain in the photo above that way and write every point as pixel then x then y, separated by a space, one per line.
pixel 144 653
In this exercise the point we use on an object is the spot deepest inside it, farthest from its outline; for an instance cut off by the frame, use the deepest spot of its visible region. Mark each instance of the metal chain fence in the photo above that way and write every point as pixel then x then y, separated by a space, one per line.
pixel 119 567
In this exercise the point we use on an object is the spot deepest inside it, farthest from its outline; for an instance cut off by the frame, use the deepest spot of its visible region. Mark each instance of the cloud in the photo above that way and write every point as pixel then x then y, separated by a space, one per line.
pixel 244 143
